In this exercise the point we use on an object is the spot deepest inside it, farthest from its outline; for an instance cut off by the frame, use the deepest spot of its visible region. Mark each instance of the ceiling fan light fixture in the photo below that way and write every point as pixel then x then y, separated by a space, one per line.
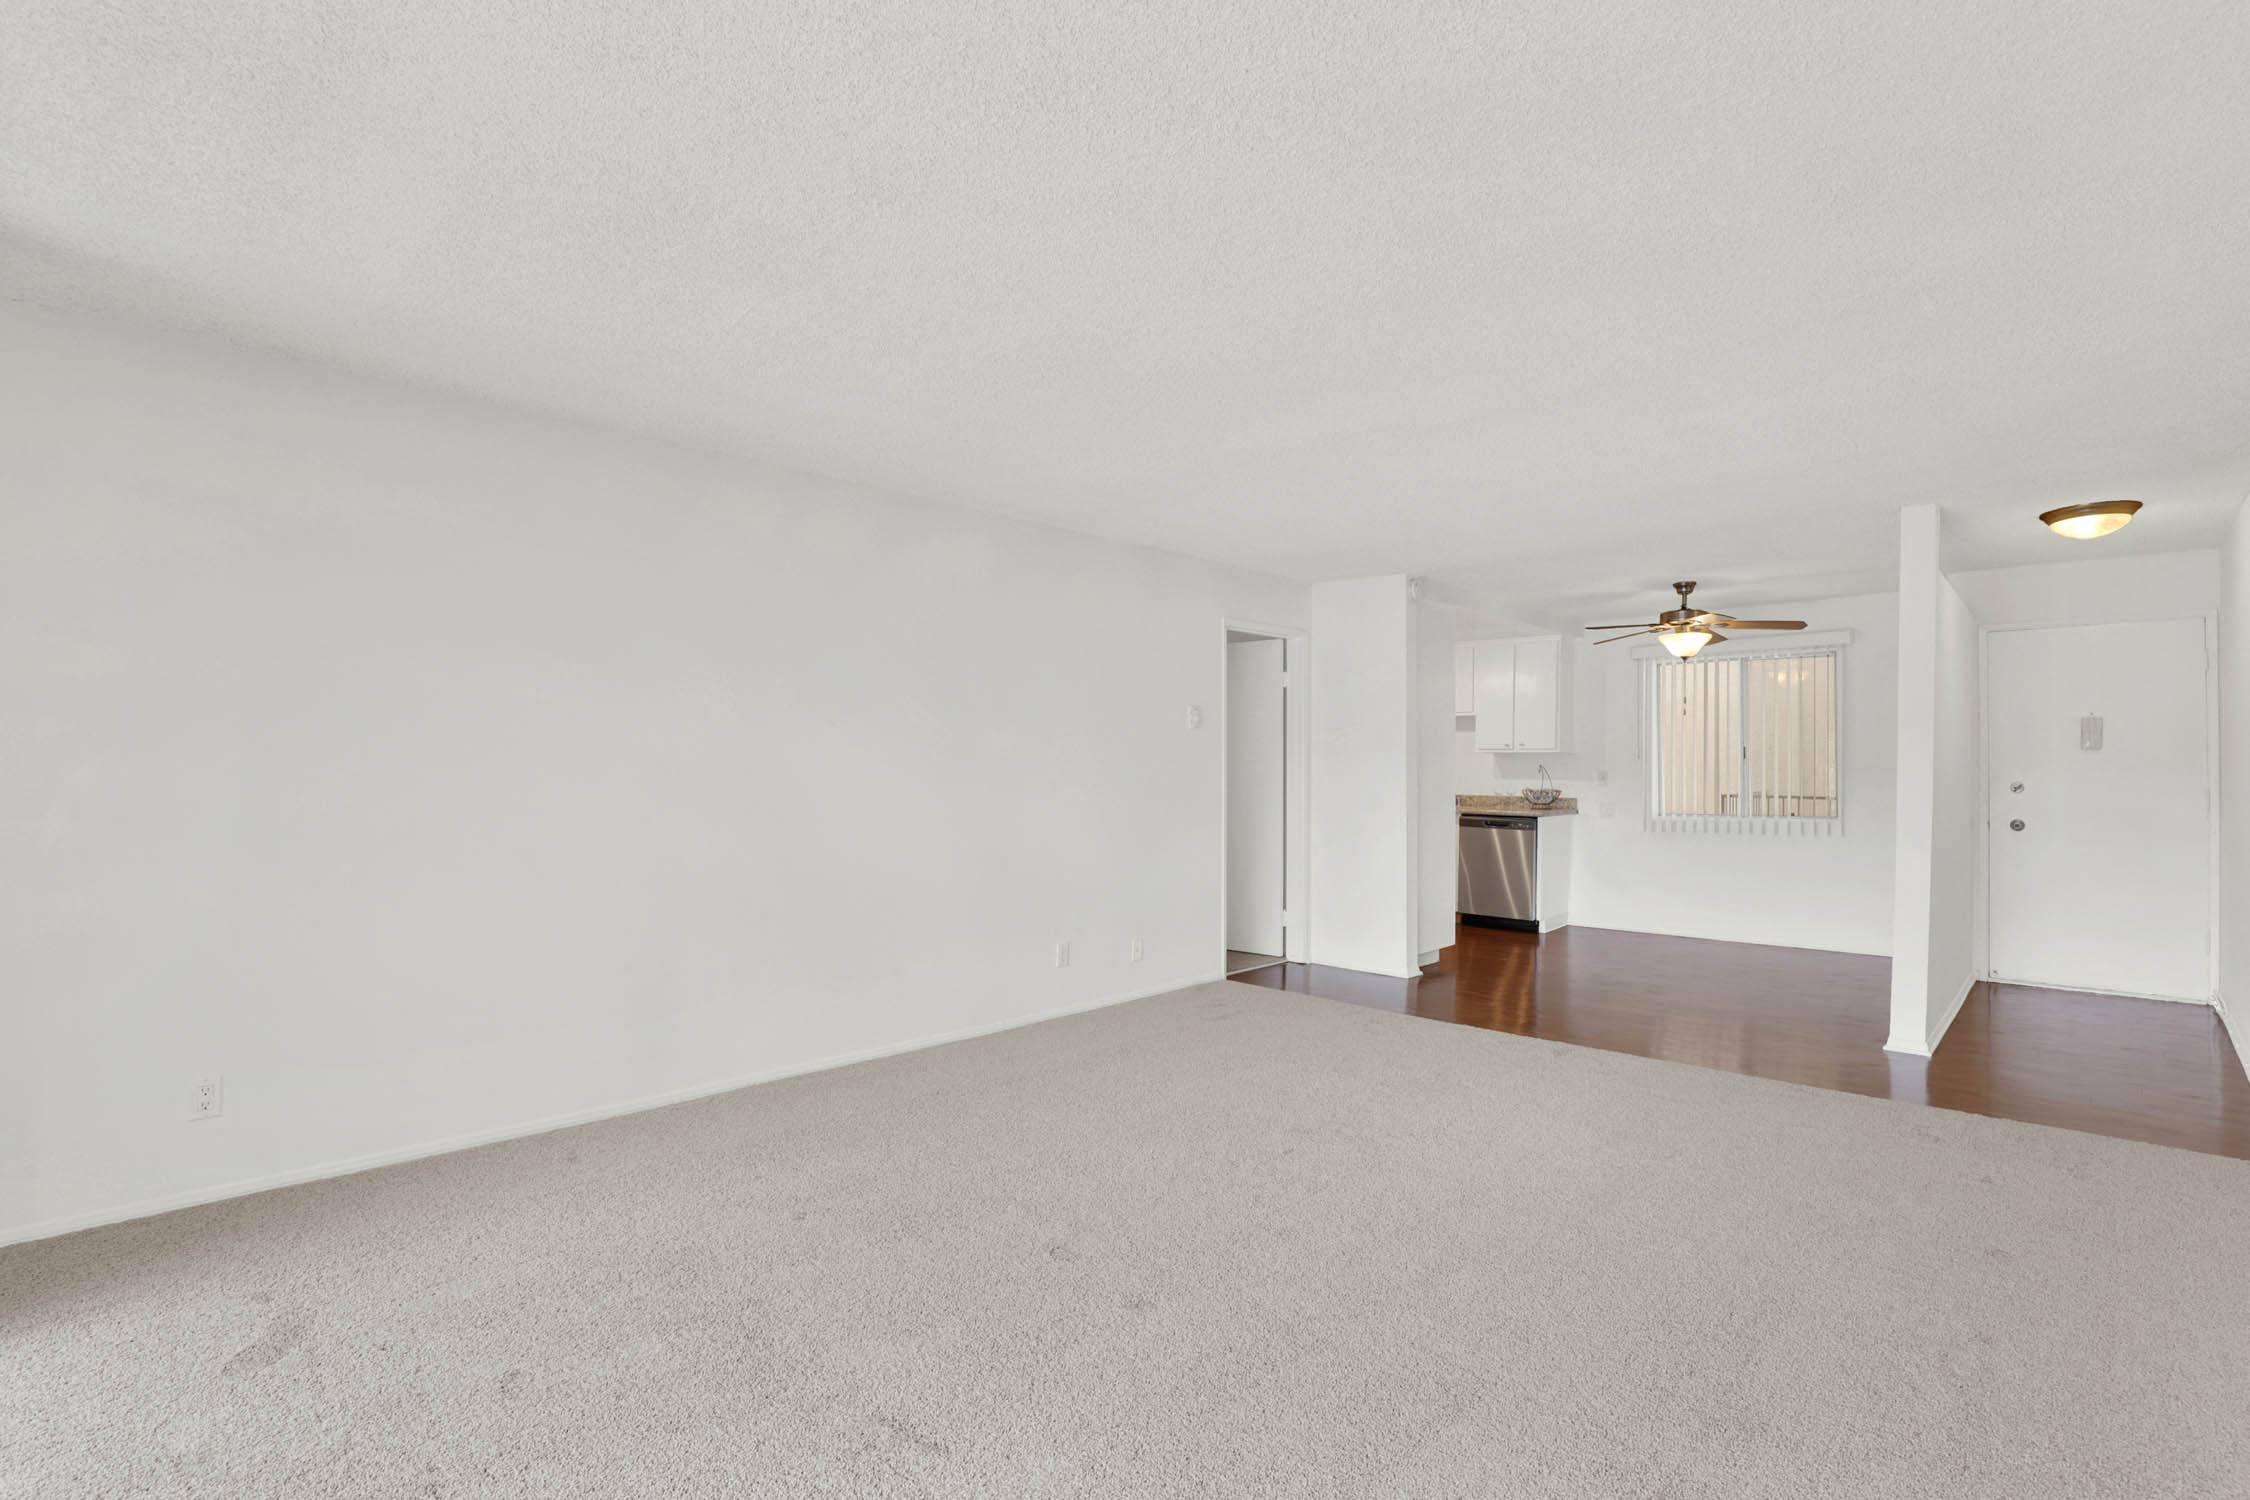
pixel 1686 630
pixel 2082 523
pixel 1685 643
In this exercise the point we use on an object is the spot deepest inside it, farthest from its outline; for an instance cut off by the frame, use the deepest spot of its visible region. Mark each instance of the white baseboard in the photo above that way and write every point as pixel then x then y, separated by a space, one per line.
pixel 243 1187
pixel 2088 989
pixel 1945 1019
pixel 1927 1045
pixel 1907 1046
pixel 1388 971
pixel 2234 1033
pixel 1706 937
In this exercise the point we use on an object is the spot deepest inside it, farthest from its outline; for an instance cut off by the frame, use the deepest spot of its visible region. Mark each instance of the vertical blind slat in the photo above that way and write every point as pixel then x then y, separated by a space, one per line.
pixel 1745 741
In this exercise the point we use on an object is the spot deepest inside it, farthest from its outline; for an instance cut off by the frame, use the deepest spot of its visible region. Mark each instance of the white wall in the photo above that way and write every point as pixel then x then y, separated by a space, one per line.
pixel 1936 903
pixel 2095 590
pixel 1806 892
pixel 2234 784
pixel 1439 826
pixel 1366 775
pixel 1914 854
pixel 1257 795
pixel 431 771
pixel 1957 907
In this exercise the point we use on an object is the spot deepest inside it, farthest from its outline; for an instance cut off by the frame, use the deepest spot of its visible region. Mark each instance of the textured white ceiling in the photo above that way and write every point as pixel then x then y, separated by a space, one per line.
pixel 1553 302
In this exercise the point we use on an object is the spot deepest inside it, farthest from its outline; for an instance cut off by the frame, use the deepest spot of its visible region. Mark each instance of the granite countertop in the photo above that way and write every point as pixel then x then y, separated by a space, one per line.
pixel 1562 807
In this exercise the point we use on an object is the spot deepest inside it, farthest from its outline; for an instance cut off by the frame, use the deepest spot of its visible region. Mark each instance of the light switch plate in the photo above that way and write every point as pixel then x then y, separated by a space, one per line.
pixel 2090 732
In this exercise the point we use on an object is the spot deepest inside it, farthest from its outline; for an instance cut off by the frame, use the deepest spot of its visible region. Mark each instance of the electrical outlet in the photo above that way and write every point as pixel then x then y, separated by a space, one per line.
pixel 1137 952
pixel 205 1102
pixel 1062 955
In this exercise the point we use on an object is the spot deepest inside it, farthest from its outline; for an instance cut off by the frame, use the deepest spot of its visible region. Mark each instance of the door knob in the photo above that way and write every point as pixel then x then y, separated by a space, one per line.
pixel 2016 824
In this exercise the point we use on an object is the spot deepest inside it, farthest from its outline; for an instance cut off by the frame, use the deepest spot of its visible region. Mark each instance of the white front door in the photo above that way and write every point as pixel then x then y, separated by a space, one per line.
pixel 1257 796
pixel 2098 747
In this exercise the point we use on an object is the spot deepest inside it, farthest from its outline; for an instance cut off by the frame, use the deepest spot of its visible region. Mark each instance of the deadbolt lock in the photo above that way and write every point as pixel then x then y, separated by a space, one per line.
pixel 2016 824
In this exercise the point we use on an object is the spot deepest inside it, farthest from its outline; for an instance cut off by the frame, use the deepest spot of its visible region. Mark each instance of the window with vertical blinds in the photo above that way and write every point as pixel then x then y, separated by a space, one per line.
pixel 1745 742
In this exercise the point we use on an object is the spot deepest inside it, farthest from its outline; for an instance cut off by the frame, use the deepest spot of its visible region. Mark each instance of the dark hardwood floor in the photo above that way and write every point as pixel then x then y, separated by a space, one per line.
pixel 2141 1070
pixel 1238 961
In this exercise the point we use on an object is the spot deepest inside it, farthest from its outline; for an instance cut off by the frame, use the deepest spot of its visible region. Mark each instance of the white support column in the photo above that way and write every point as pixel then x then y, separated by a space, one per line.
pixel 1940 830
pixel 1917 779
pixel 1366 775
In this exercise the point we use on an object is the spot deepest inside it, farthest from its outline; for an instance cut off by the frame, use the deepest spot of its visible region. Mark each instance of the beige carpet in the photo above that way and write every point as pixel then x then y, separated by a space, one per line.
pixel 1224 1242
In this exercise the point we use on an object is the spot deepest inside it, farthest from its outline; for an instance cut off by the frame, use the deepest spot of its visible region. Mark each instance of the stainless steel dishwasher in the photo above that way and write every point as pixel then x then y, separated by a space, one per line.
pixel 1499 879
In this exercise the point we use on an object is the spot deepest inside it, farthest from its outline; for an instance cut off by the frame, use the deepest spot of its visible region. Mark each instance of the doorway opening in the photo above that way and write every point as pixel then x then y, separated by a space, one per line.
pixel 1262 798
pixel 2099 833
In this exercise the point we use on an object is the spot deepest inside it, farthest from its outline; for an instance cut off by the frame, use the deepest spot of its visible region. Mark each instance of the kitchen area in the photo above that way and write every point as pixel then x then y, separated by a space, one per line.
pixel 1511 697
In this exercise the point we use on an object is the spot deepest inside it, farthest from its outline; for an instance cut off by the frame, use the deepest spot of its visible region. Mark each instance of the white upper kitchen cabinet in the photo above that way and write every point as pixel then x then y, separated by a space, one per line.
pixel 1539 693
pixel 1495 694
pixel 1464 680
pixel 1519 694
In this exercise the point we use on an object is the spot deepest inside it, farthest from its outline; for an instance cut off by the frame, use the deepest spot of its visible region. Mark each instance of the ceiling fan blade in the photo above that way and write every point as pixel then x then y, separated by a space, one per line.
pixel 1733 624
pixel 1651 630
pixel 1644 625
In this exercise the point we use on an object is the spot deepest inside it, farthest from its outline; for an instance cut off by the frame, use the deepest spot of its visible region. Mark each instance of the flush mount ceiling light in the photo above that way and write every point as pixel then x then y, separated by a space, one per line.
pixel 2082 523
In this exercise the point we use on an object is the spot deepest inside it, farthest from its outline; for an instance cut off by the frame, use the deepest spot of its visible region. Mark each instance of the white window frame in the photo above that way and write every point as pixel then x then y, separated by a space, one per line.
pixel 1646 661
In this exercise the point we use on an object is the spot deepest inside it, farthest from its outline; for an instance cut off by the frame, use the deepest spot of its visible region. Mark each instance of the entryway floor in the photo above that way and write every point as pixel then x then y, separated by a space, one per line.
pixel 2139 1070
pixel 1239 963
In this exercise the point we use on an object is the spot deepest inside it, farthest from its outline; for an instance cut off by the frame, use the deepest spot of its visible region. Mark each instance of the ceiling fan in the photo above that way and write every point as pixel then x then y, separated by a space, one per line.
pixel 1685 631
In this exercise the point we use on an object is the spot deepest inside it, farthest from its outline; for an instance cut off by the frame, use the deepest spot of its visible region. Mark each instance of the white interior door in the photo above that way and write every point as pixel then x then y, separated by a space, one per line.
pixel 2106 885
pixel 1257 796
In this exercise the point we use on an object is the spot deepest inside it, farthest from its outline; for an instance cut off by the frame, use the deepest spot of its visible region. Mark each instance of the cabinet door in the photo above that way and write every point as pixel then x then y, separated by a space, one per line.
pixel 1538 683
pixel 1464 680
pixel 1496 695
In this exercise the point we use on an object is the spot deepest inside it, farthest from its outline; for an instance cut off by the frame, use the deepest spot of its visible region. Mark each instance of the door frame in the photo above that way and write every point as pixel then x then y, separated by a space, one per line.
pixel 1296 816
pixel 1982 957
